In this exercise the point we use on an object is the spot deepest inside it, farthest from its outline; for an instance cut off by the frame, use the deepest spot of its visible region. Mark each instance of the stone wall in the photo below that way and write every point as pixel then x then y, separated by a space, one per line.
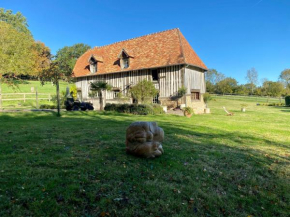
pixel 197 105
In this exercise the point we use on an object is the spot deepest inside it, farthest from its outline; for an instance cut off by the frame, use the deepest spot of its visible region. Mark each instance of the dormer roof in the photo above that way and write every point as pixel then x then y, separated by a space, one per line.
pixel 150 51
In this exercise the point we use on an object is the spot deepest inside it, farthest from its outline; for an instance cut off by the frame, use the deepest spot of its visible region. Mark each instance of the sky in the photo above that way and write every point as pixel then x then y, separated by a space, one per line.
pixel 231 36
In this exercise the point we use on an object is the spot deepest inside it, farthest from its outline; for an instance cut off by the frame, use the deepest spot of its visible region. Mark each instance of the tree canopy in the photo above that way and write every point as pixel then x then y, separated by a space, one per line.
pixel 16 56
pixel 227 85
pixel 17 21
pixel 67 56
pixel 144 89
pixel 285 77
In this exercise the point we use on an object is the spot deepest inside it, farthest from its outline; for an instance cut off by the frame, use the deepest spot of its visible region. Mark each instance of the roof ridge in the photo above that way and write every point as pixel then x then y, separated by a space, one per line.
pixel 181 45
pixel 135 38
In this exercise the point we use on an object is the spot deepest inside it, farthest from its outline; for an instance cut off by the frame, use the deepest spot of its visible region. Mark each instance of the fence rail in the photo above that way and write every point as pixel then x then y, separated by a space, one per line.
pixel 24 97
pixel 251 98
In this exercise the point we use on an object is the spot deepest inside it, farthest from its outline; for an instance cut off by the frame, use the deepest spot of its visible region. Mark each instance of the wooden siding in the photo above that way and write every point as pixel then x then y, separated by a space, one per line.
pixel 171 78
pixel 194 79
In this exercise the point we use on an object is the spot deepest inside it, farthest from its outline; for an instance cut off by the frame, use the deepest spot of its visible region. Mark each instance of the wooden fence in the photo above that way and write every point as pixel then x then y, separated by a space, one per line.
pixel 24 97
pixel 251 98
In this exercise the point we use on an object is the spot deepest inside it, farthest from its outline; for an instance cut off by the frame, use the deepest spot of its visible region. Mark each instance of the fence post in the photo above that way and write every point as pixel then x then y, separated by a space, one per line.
pixel 24 97
pixel 49 97
pixel 36 97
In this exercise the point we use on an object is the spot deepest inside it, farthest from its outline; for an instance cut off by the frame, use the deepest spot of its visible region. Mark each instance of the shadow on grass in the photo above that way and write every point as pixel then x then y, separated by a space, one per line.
pixel 80 161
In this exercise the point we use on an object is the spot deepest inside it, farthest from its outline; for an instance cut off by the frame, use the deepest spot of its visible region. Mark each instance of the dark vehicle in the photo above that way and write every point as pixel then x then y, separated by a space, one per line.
pixel 72 105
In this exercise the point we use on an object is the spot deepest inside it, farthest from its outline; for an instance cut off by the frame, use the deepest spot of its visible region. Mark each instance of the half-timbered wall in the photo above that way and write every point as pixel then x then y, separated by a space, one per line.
pixel 194 79
pixel 122 81
pixel 170 79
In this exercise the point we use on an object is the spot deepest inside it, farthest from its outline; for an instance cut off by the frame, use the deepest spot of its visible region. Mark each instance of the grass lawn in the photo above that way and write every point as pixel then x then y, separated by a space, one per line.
pixel 213 165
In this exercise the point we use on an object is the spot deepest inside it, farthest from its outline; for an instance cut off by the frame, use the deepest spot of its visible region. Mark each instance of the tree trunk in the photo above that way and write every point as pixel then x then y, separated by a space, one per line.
pixel 0 94
pixel 101 101
pixel 58 99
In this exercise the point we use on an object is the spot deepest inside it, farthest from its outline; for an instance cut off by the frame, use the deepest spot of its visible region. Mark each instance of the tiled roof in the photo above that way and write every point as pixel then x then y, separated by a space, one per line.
pixel 149 51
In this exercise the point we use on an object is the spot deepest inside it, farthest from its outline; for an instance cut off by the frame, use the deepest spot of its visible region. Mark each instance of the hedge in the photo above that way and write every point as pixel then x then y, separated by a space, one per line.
pixel 287 100
pixel 140 109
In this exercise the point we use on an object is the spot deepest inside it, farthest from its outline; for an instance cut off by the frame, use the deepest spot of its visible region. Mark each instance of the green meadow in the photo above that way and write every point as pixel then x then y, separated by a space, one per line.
pixel 213 165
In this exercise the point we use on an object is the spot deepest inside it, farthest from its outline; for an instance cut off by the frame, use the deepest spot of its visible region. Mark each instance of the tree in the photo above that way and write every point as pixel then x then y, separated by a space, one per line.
pixel 144 89
pixel 212 77
pixel 97 88
pixel 252 78
pixel 67 56
pixel 285 77
pixel 17 21
pixel 52 74
pixel 271 88
pixel 227 85
pixel 42 57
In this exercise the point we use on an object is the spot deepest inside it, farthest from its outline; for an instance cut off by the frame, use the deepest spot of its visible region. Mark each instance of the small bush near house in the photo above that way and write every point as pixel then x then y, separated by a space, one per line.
pixel 46 106
pixel 287 100
pixel 158 109
pixel 140 109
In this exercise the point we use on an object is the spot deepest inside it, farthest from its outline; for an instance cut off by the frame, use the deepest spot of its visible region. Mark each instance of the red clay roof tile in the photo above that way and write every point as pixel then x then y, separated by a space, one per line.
pixel 149 51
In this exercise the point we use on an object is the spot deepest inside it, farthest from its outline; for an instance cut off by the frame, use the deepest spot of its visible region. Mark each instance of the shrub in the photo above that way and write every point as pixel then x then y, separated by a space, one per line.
pixel 287 100
pixel 157 109
pixel 46 106
pixel 133 109
pixel 188 110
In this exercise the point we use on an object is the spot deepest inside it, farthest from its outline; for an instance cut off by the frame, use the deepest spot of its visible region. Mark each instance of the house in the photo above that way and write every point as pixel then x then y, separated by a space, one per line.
pixel 165 58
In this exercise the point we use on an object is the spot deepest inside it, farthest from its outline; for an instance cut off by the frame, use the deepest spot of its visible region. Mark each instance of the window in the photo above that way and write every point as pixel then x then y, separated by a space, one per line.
pixel 155 99
pixel 93 65
pixel 155 75
pixel 195 95
pixel 124 63
pixel 124 58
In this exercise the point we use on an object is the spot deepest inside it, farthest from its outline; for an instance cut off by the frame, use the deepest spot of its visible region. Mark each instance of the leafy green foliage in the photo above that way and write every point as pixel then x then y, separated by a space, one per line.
pixel 143 90
pixel 17 21
pixel 227 85
pixel 271 88
pixel 188 110
pixel 67 56
pixel 73 91
pixel 287 100
pixel 16 54
pixel 136 109
pixel 207 97
pixel 181 91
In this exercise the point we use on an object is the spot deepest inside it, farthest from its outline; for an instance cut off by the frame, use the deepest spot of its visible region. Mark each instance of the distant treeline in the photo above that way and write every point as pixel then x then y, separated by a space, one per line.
pixel 218 83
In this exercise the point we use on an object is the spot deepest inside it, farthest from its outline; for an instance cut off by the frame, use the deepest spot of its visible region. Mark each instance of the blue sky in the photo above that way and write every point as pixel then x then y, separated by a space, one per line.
pixel 231 36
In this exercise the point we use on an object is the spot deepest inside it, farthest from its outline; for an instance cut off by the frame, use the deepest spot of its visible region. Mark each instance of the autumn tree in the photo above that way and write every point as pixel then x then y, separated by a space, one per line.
pixel 42 57
pixel 252 78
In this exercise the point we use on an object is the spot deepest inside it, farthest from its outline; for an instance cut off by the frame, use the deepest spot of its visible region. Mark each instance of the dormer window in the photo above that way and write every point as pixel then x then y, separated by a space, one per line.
pixel 93 61
pixel 124 59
